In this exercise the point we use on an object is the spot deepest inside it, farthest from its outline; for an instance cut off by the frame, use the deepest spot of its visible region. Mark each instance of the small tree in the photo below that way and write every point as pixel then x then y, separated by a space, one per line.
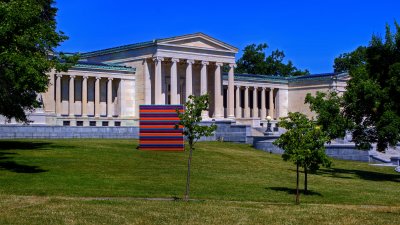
pixel 303 144
pixel 193 131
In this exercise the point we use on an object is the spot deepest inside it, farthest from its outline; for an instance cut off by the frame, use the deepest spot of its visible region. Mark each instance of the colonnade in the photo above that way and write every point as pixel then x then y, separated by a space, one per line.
pixel 259 109
pixel 110 112
pixel 160 90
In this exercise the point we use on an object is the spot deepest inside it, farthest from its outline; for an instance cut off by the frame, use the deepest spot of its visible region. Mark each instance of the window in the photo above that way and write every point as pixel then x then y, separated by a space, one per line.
pixel 117 123
pixel 92 123
pixel 66 123
pixel 79 123
pixel 104 123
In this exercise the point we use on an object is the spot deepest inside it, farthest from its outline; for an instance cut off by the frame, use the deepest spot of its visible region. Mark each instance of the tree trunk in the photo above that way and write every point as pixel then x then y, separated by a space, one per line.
pixel 297 185
pixel 188 173
pixel 305 179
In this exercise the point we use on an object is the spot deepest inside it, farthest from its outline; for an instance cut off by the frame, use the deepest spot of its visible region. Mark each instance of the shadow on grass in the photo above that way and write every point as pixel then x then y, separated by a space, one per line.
pixel 19 168
pixel 6 162
pixel 361 174
pixel 292 191
pixel 23 145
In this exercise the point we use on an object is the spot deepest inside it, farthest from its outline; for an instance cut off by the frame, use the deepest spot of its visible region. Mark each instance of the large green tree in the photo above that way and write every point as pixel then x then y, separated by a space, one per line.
pixel 255 61
pixel 28 37
pixel 190 121
pixel 303 144
pixel 370 107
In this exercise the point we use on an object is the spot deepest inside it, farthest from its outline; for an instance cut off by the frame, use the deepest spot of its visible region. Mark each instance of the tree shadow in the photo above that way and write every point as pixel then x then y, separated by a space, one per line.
pixel 292 191
pixel 362 174
pixel 6 162
pixel 23 145
pixel 19 168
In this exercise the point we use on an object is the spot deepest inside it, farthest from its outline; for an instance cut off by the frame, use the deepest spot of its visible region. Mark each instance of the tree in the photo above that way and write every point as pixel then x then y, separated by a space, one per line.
pixel 28 38
pixel 255 61
pixel 371 102
pixel 347 61
pixel 193 131
pixel 303 144
pixel 329 114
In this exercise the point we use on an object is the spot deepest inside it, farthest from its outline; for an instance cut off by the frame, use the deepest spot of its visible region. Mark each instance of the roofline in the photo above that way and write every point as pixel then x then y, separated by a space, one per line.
pixel 147 44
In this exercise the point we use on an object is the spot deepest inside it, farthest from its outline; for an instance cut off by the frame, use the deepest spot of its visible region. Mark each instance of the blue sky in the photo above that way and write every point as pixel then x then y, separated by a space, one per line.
pixel 311 33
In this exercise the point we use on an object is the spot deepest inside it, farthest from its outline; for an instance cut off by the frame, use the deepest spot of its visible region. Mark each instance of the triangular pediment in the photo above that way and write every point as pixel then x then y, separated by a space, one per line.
pixel 198 40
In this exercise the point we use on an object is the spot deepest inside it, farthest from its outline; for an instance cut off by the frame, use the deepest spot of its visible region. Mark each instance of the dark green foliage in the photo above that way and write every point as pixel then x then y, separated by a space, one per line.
pixel 346 61
pixel 193 131
pixel 372 97
pixel 28 37
pixel 329 115
pixel 303 144
pixel 255 61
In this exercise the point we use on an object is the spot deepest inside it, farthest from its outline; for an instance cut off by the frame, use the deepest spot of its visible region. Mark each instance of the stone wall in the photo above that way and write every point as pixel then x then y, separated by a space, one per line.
pixel 226 131
pixel 16 131
pixel 334 150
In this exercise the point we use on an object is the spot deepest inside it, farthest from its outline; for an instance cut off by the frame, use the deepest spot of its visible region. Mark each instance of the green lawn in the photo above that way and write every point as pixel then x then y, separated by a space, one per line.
pixel 41 180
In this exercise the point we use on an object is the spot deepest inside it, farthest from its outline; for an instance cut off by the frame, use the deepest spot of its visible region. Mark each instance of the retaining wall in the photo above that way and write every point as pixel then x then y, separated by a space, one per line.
pixel 226 131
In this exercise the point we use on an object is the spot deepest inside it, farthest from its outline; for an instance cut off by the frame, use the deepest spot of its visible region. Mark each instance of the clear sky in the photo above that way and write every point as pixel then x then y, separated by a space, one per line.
pixel 311 33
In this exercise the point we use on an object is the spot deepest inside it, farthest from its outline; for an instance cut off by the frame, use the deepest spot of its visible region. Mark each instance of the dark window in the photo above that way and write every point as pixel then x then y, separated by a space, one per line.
pixel 92 123
pixel 79 123
pixel 117 123
pixel 66 123
pixel 104 123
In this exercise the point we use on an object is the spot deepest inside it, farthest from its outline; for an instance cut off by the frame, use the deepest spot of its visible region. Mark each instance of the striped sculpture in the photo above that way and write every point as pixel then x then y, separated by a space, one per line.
pixel 157 128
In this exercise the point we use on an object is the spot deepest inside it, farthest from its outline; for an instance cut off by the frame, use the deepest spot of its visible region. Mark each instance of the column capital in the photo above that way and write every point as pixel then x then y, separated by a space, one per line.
pixel 232 65
pixel 219 64
pixel 204 63
pixel 175 60
pixel 158 59
pixel 246 87
pixel 238 86
pixel 264 88
pixel 72 76
pixel 59 75
pixel 271 88
pixel 190 61
pixel 85 77
pixel 110 78
pixel 98 78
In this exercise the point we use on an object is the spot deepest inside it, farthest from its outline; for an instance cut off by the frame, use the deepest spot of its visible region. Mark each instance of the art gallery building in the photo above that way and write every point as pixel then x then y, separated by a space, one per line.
pixel 107 86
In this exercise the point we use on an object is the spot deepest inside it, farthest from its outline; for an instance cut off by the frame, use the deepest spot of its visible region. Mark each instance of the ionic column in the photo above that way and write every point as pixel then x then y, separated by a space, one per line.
pixel 174 82
pixel 84 96
pixel 58 94
pixel 263 110
pixel 71 99
pixel 97 97
pixel 218 97
pixel 231 92
pixel 109 97
pixel 203 84
pixel 255 101
pixel 158 81
pixel 271 103
pixel 189 77
pixel 246 102
pixel 147 83
pixel 238 108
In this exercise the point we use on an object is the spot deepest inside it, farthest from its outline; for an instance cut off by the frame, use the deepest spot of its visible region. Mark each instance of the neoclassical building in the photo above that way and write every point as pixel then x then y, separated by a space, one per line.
pixel 107 86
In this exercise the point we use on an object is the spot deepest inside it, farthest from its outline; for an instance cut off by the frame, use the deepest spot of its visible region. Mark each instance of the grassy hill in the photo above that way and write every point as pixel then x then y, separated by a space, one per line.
pixel 230 181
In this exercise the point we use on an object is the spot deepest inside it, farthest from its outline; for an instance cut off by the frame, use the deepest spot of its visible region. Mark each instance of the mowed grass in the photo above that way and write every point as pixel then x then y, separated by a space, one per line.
pixel 92 181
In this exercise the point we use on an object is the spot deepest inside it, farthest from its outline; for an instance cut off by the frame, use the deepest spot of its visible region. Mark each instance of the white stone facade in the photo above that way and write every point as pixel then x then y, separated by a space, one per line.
pixel 107 86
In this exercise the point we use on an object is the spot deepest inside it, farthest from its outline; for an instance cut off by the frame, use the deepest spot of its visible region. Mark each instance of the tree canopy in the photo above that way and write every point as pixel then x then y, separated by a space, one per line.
pixel 255 61
pixel 370 107
pixel 28 37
